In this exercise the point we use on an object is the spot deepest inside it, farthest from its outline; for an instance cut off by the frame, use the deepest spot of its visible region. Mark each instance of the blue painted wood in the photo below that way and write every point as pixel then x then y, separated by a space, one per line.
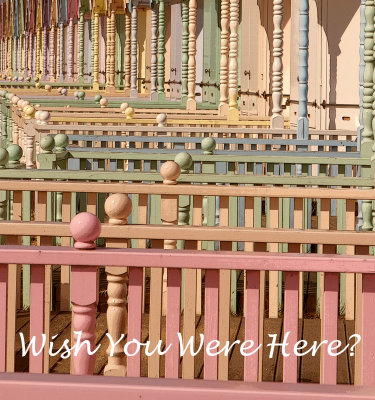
pixel 303 71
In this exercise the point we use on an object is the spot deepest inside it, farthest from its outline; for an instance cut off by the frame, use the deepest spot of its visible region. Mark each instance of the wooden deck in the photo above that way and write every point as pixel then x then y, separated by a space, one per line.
pixel 308 366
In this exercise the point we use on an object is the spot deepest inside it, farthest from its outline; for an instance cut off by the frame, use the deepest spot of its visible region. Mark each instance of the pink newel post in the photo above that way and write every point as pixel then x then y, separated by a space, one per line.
pixel 85 229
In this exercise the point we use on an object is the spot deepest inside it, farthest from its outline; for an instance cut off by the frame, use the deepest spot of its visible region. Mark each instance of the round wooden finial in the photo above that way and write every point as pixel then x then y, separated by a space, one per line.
pixel 9 96
pixel 129 112
pixel 59 90
pixel 103 102
pixel 36 79
pixel 21 78
pixel 184 160
pixel 20 104
pixel 208 145
pixel 28 79
pixel 123 107
pixel 29 112
pixel 118 207
pixel 15 153
pixel 81 95
pixel 161 119
pixel 76 95
pixel 85 229
pixel 47 143
pixel 97 98
pixel 64 92
pixel 48 88
pixel 44 117
pixel 4 157
pixel 61 142
pixel 38 85
pixel 15 100
pixel 170 171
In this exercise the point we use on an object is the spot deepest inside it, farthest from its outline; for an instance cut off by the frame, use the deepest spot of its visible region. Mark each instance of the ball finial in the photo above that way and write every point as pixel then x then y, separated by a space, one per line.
pixel 118 208
pixel 4 157
pixel 161 119
pixel 184 160
pixel 15 153
pixel 15 100
pixel 48 88
pixel 38 85
pixel 59 89
pixel 208 145
pixel 29 112
pixel 28 79
pixel 170 171
pixel 85 229
pixel 61 142
pixel 129 112
pixel 47 144
pixel 81 95
pixel 97 98
pixel 64 92
pixel 76 95
pixel 44 117
pixel 123 107
pixel 103 102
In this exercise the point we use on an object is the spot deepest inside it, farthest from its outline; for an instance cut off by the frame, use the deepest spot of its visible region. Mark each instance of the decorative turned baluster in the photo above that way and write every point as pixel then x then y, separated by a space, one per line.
pixel 52 54
pixel 108 49
pixel 185 48
pixel 233 113
pixel 367 135
pixel 277 119
pixel 134 61
pixel 224 59
pixel 23 55
pixel 118 207
pixel 81 32
pixel 154 51
pixel 27 52
pixel 70 54
pixel 58 53
pixel 61 45
pixel 31 54
pixel 303 75
pixel 161 51
pixel 170 171
pixel 192 74
pixel 85 229
pixel 95 81
pixel 45 59
pixel 112 52
pixel 127 50
pixel 38 38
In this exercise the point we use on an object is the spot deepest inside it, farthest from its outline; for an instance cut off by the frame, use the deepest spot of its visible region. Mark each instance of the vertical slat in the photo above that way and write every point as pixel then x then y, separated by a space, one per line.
pixel 172 358
pixel 135 318
pixel 252 324
pixel 197 221
pixel 329 311
pixel 37 317
pixel 368 330
pixel 274 275
pixel 350 250
pixel 291 324
pixel 65 269
pixel 296 248
pixel 211 322
pixel 3 315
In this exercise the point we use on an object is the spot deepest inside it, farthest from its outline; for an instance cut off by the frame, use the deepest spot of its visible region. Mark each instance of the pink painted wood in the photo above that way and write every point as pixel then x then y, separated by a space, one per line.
pixel 62 387
pixel 36 363
pixel 172 358
pixel 368 329
pixel 329 332
pixel 251 363
pixel 291 325
pixel 3 315
pixel 191 259
pixel 135 318
pixel 211 322
pixel 83 295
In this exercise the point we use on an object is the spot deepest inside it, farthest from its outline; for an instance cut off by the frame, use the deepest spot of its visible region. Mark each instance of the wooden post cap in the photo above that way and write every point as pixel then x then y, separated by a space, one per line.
pixel 184 160
pixel 15 100
pixel 97 98
pixel 44 117
pixel 15 153
pixel 36 79
pixel 208 145
pixel 103 102
pixel 118 207
pixel 59 89
pixel 161 119
pixel 81 95
pixel 76 95
pixel 129 112
pixel 38 85
pixel 9 96
pixel 170 171
pixel 61 142
pixel 29 112
pixel 48 88
pixel 85 228
pixel 47 143
pixel 123 107
pixel 4 157
pixel 64 92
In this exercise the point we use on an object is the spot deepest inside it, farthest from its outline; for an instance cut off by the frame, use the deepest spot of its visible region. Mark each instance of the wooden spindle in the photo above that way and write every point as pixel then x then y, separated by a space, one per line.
pixel 70 55
pixel 185 49
pixel 224 58
pixel 127 50
pixel 134 58
pixel 161 51
pixel 154 50
pixel 81 41
pixel 38 51
pixel 95 81
pixel 118 207
pixel 191 104
pixel 52 54
pixel 233 113
pixel 277 119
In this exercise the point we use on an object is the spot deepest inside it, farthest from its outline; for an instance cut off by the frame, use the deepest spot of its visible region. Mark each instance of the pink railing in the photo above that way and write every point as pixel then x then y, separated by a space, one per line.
pixel 85 260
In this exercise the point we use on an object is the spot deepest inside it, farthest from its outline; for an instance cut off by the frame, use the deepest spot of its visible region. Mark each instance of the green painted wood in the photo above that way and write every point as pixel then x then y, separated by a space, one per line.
pixel 161 51
pixel 185 48
pixel 120 49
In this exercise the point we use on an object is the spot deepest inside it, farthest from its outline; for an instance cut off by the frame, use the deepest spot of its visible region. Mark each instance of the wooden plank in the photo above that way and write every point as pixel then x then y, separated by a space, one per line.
pixel 3 315
pixel 273 277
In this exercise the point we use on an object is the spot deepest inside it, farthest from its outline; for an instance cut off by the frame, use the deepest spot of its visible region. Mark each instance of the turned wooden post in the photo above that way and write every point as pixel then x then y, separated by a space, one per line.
pixel 38 39
pixel 277 119
pixel 224 59
pixel 170 171
pixel 81 33
pixel 111 51
pixel 154 51
pixel 127 51
pixel 191 103
pixel 52 70
pixel 61 45
pixel 95 82
pixel 85 229
pixel 45 46
pixel 303 71
pixel 118 207
pixel 233 113
pixel 134 59
pixel 70 55
pixel 161 51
